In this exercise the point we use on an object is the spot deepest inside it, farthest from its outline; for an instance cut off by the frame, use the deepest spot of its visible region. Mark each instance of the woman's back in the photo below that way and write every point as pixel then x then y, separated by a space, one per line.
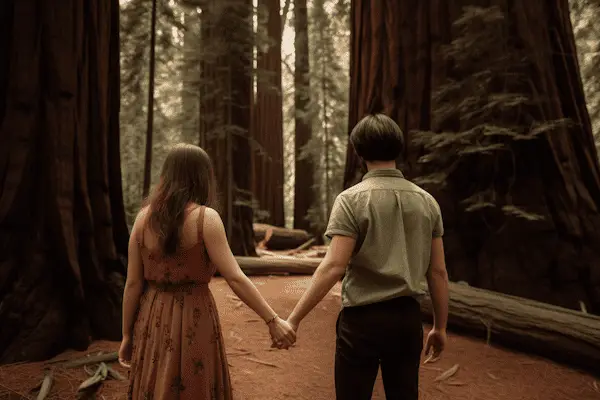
pixel 178 350
pixel 189 264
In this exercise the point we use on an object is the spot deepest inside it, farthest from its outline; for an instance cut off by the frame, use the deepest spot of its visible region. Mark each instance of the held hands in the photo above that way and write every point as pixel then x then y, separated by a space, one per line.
pixel 436 341
pixel 282 334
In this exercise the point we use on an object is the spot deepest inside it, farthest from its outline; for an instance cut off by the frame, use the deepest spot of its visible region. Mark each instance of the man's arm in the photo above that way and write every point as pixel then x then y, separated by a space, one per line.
pixel 330 271
pixel 437 280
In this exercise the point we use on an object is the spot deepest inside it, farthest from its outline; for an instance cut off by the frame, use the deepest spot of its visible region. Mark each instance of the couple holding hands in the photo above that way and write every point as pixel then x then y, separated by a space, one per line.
pixel 386 238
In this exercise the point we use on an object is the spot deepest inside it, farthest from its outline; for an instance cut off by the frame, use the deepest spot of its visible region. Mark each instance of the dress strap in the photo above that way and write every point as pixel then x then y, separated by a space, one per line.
pixel 200 222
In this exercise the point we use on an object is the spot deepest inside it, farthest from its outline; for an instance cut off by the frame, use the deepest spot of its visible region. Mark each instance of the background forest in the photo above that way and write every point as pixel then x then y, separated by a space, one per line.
pixel 322 88
pixel 323 93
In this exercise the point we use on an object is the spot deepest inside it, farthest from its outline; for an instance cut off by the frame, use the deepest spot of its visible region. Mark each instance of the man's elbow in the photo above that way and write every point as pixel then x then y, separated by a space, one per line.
pixel 438 274
pixel 335 269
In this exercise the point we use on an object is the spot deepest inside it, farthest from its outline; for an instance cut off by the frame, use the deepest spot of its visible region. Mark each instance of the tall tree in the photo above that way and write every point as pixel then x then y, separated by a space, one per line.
pixel 190 76
pixel 548 252
pixel 150 116
pixel 62 223
pixel 267 124
pixel 226 92
pixel 304 170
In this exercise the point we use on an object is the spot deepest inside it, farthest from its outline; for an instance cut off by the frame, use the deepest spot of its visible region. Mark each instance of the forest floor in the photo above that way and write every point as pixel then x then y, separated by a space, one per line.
pixel 306 371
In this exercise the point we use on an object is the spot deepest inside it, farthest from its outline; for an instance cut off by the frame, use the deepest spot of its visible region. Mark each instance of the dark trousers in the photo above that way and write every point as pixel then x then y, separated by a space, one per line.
pixel 389 334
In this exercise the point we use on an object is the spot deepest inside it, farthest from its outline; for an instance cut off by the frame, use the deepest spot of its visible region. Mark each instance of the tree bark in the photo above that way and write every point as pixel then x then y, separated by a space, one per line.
pixel 63 235
pixel 267 121
pixel 304 169
pixel 396 64
pixel 226 91
pixel 280 238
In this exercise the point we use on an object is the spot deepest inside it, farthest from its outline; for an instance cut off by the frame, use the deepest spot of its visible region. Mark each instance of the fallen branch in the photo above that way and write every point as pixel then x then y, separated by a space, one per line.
pixel 277 265
pixel 261 362
pixel 88 387
pixel 303 246
pixel 46 386
pixel 448 373
pixel 100 358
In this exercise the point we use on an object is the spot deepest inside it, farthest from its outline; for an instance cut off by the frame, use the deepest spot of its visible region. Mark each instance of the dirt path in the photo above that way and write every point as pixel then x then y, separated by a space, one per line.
pixel 306 371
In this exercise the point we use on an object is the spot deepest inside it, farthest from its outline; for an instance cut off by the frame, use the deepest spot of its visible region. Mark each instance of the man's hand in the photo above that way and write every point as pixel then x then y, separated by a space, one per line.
pixel 436 341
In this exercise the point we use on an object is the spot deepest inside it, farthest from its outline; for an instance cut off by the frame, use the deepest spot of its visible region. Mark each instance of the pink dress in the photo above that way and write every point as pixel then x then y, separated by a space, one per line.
pixel 178 350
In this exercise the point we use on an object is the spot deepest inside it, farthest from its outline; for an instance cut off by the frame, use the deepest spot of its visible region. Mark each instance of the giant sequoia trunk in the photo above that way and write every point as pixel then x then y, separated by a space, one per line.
pixel 226 90
pixel 267 124
pixel 396 64
pixel 304 170
pixel 63 234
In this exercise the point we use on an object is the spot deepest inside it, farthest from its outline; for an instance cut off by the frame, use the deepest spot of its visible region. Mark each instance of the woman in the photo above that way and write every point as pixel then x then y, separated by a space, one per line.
pixel 172 338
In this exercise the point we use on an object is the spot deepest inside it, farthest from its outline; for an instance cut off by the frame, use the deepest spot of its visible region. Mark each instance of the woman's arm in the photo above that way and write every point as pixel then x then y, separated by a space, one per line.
pixel 134 285
pixel 220 254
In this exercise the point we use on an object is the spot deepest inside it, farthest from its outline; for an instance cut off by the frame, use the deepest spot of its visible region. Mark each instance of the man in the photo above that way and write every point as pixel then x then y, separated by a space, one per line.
pixel 386 236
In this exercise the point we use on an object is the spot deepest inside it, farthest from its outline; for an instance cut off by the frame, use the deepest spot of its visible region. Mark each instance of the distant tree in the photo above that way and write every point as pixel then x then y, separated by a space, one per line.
pixel 304 168
pixel 267 116
pixel 505 142
pixel 63 233
pixel 226 93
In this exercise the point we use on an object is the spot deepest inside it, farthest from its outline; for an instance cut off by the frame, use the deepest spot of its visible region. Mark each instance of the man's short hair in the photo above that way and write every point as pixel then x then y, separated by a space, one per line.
pixel 377 137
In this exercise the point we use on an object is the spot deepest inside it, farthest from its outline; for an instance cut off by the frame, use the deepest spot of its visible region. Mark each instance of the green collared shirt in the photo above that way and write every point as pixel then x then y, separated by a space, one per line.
pixel 393 221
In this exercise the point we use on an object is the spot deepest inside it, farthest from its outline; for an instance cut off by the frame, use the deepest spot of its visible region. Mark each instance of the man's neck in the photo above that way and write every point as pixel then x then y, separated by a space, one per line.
pixel 373 165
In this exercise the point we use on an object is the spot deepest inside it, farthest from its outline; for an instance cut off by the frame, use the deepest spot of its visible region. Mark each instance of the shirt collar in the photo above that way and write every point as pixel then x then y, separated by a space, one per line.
pixel 384 172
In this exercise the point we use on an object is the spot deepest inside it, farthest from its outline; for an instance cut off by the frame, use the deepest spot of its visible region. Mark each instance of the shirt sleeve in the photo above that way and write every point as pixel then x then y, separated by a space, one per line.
pixel 342 221
pixel 438 223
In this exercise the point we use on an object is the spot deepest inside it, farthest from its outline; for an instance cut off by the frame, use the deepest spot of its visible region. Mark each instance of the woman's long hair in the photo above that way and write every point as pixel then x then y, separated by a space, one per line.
pixel 187 176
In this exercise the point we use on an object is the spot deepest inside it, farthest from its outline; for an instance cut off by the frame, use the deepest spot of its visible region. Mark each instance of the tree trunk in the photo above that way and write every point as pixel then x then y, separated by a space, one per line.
pixel 190 76
pixel 267 121
pixel 557 175
pixel 63 234
pixel 226 90
pixel 304 169
pixel 150 116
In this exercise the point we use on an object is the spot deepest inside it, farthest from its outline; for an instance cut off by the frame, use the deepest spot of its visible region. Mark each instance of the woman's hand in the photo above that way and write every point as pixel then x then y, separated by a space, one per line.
pixel 125 352
pixel 282 334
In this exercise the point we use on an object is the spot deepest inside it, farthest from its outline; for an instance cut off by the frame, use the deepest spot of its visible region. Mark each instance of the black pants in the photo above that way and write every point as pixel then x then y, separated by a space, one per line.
pixel 389 334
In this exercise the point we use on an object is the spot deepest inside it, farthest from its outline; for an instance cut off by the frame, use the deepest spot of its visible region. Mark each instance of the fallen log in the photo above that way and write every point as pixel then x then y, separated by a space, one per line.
pixel 562 335
pixel 278 265
pixel 559 334
pixel 278 238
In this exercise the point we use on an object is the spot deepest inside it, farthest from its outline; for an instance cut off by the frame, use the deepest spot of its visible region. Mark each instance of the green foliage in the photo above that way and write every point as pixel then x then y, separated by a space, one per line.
pixel 483 115
pixel 329 38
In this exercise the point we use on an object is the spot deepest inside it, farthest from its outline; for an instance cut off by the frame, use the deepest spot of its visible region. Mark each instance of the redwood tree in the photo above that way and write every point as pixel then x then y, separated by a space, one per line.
pixel 225 98
pixel 396 66
pixel 304 170
pixel 267 117
pixel 63 234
